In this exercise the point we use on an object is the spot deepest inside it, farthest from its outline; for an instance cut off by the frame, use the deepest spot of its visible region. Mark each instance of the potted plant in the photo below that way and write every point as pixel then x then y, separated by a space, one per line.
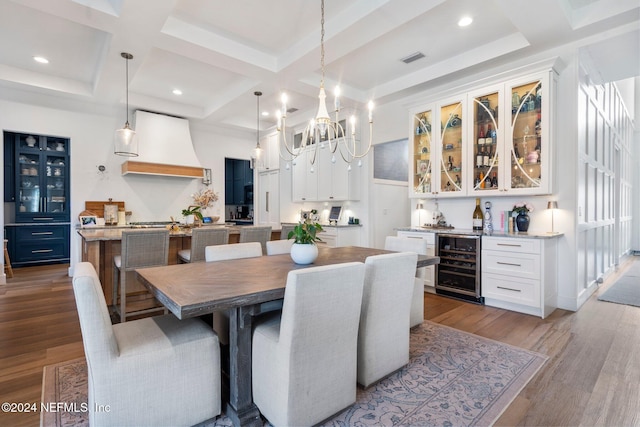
pixel 304 249
pixel 191 213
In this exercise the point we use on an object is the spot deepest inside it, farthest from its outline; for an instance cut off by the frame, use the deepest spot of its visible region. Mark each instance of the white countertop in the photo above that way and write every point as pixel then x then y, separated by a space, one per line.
pixel 519 235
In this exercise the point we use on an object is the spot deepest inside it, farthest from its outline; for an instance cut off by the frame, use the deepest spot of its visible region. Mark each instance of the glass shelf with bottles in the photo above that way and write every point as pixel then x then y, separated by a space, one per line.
pixel 527 153
pixel 422 148
pixel 451 156
pixel 486 150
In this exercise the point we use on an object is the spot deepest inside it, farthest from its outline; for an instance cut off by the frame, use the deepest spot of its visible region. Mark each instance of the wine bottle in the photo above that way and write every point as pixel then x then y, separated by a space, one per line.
pixel 491 135
pixel 477 216
pixel 486 157
pixel 481 136
pixel 479 157
pixel 494 181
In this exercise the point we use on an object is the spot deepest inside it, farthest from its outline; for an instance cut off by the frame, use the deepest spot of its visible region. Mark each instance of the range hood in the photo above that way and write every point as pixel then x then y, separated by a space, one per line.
pixel 165 147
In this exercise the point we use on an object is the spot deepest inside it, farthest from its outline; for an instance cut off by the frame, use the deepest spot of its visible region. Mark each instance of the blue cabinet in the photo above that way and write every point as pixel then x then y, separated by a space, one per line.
pixel 37 244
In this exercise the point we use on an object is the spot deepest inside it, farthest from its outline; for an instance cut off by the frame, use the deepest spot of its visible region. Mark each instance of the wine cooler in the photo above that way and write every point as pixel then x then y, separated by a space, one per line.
pixel 458 274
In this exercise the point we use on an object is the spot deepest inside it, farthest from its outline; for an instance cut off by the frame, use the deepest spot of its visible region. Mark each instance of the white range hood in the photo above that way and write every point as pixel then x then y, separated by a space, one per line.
pixel 165 147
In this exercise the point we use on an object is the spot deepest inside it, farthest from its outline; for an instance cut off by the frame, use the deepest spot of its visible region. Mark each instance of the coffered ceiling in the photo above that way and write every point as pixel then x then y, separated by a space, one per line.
pixel 219 52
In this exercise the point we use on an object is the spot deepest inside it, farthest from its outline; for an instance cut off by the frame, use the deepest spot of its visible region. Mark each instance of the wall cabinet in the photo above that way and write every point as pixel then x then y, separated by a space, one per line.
pixel 270 156
pixel 493 140
pixel 520 274
pixel 304 179
pixel 268 203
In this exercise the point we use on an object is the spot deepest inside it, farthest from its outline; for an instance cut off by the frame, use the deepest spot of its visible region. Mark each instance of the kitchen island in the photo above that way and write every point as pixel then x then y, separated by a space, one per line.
pixel 101 244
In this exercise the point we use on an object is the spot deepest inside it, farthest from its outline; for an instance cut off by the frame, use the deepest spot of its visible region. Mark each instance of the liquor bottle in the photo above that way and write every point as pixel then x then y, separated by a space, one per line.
pixel 479 157
pixel 494 181
pixel 482 181
pixel 477 216
pixel 476 182
pixel 491 135
pixel 488 219
pixel 450 163
pixel 481 136
pixel 486 157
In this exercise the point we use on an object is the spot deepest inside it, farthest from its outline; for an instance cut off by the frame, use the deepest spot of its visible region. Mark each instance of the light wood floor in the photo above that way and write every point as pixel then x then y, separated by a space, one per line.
pixel 590 379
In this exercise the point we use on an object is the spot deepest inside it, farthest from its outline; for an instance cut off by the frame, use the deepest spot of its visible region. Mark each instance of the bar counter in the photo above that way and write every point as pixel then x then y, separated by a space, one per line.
pixel 101 244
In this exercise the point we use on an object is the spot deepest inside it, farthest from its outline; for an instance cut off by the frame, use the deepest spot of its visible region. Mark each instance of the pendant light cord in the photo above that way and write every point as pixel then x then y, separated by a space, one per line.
pixel 322 42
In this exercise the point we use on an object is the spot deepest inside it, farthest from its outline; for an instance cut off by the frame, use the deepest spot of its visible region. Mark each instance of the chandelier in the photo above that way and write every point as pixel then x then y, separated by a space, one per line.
pixel 321 130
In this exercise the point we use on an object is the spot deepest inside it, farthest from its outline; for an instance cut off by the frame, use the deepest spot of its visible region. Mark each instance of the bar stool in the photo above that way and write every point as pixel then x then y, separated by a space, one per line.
pixel 201 238
pixel 140 248
pixel 256 234
pixel 7 262
pixel 284 231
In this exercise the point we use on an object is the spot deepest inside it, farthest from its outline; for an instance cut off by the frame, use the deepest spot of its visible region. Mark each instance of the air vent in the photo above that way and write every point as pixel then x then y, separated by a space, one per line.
pixel 292 110
pixel 413 57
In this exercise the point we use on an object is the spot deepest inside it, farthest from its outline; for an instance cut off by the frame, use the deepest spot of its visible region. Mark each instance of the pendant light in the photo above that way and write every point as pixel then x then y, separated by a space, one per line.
pixel 257 152
pixel 126 142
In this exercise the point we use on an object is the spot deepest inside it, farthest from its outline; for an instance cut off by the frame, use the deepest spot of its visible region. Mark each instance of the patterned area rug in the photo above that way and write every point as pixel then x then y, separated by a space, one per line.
pixel 453 378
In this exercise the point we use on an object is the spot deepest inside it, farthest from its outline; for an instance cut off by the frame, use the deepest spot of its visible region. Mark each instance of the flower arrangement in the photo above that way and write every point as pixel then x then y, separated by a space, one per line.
pixel 522 208
pixel 204 198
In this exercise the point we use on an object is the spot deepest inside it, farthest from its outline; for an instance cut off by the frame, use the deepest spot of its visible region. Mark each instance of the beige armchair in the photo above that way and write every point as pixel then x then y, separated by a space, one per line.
pixel 304 362
pixel 383 337
pixel 157 371
pixel 419 246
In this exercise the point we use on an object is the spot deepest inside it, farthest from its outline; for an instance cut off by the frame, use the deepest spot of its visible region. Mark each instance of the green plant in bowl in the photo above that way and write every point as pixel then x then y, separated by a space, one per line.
pixel 306 233
pixel 192 210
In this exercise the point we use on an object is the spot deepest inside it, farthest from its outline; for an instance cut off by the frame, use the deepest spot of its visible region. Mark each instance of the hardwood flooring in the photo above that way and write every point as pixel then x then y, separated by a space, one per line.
pixel 590 379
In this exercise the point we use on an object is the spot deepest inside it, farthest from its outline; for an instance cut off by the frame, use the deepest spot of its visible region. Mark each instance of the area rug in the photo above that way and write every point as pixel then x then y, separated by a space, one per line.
pixel 625 290
pixel 453 378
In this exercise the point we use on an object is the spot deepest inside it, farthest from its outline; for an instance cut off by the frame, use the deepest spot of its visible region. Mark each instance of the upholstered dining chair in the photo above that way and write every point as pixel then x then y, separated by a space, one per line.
pixel 284 230
pixel 304 361
pixel 260 234
pixel 224 253
pixel 383 337
pixel 277 247
pixel 139 248
pixel 202 237
pixel 151 372
pixel 419 246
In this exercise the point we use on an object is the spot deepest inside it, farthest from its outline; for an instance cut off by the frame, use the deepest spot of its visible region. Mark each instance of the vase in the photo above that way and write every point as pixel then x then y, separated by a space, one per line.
pixel 522 222
pixel 304 253
pixel 190 219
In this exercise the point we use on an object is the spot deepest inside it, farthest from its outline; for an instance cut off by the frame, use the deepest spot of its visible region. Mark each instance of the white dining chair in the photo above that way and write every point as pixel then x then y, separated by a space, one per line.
pixel 139 249
pixel 383 336
pixel 277 247
pixel 224 253
pixel 202 237
pixel 304 361
pixel 419 246
pixel 157 371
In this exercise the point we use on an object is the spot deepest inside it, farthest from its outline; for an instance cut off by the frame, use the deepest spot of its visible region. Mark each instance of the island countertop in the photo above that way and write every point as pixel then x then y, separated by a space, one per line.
pixel 92 234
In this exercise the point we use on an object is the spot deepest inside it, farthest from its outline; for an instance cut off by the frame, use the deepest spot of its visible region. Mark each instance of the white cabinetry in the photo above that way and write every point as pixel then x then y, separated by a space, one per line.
pixel 452 154
pixel 334 237
pixel 519 274
pixel 304 179
pixel 268 203
pixel 336 181
pixel 429 280
pixel 270 155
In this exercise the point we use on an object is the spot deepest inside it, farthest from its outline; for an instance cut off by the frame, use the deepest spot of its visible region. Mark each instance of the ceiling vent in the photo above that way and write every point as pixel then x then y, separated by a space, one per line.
pixel 292 110
pixel 413 57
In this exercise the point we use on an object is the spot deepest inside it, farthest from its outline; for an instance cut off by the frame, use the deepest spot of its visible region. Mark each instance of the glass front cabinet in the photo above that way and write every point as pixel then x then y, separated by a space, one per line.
pixel 438 167
pixel 494 140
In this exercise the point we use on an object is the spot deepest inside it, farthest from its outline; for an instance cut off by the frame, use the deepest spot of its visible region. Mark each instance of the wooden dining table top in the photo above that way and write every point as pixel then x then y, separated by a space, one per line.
pixel 190 290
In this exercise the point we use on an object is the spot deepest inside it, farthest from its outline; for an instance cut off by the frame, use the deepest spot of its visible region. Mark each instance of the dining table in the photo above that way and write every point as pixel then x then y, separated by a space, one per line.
pixel 240 286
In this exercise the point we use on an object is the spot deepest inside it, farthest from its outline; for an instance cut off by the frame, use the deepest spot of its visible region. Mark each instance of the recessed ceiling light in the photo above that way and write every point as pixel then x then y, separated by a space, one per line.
pixel 177 92
pixel 265 113
pixel 41 59
pixel 464 21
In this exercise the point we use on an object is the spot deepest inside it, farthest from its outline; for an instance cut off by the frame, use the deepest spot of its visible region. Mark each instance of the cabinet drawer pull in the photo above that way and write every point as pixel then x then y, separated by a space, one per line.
pixel 414 237
pixel 42 233
pixel 41 251
pixel 508 263
pixel 509 244
pixel 509 289
pixel 43 219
